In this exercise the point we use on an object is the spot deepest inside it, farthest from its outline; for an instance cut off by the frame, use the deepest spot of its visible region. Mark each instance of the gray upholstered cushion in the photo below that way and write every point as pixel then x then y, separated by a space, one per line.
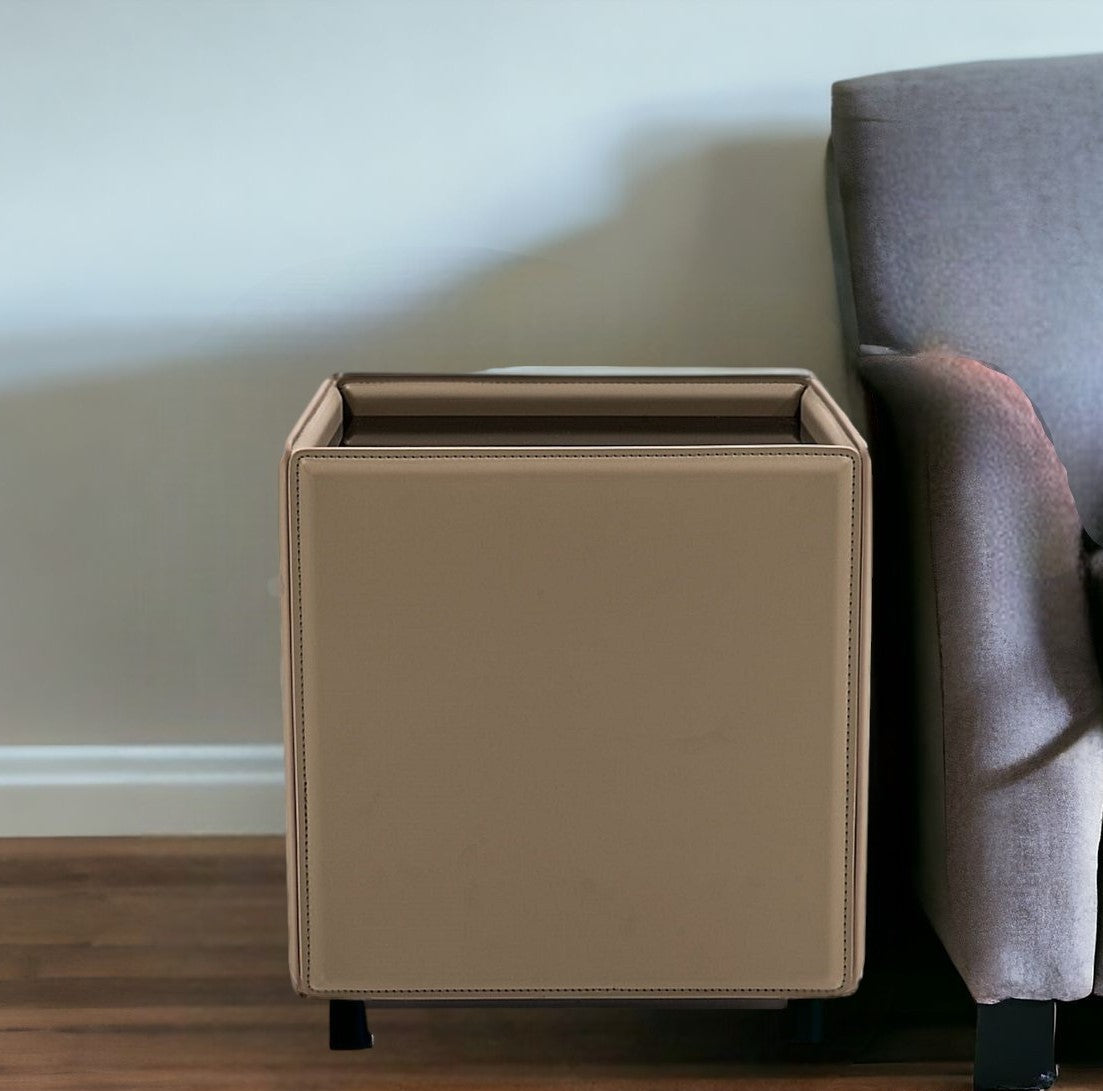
pixel 969 201
pixel 973 201
pixel 1002 679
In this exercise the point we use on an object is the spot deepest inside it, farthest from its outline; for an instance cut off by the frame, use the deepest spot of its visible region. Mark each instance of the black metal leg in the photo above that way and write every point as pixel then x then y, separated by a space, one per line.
pixel 348 1025
pixel 798 1032
pixel 804 1022
pixel 1015 1046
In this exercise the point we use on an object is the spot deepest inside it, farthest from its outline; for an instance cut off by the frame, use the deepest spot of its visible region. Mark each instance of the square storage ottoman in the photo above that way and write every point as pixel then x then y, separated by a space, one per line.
pixel 576 683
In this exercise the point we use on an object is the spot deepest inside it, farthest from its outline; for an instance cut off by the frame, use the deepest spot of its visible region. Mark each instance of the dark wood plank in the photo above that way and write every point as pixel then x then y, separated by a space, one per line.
pixel 161 963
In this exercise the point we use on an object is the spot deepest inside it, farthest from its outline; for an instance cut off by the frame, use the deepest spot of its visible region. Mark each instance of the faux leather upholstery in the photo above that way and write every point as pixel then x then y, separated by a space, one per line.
pixel 576 721
pixel 967 207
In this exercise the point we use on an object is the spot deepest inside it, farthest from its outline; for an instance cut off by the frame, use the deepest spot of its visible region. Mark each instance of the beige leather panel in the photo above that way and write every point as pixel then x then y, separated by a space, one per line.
pixel 577 723
pixel 488 395
pixel 322 420
pixel 320 425
pixel 587 431
pixel 820 419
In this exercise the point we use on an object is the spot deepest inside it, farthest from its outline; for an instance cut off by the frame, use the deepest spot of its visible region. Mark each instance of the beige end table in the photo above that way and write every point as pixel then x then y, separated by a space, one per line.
pixel 576 677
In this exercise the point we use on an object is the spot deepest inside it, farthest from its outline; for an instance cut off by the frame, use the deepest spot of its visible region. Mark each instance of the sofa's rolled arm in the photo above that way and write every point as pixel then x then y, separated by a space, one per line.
pixel 1005 679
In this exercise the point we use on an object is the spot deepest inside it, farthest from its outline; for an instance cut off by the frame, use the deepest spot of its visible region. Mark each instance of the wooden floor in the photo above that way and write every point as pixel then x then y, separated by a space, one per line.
pixel 161 963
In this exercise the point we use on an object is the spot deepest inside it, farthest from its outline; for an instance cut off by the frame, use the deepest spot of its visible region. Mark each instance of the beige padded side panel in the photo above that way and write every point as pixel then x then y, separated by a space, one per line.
pixel 577 724
pixel 319 425
pixel 486 395
pixel 820 420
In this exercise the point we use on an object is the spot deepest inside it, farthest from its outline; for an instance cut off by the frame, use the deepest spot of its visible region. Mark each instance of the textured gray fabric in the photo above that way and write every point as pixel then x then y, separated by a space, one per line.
pixel 973 199
pixel 1010 761
pixel 968 223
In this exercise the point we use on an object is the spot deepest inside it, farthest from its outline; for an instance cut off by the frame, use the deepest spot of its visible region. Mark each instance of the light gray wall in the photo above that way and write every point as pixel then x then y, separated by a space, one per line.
pixel 207 207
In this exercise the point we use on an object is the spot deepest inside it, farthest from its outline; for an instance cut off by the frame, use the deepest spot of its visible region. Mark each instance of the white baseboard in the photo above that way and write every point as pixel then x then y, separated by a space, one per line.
pixel 61 791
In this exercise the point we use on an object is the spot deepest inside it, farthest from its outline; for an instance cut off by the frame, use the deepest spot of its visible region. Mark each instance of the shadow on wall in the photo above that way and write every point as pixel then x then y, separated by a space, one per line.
pixel 139 517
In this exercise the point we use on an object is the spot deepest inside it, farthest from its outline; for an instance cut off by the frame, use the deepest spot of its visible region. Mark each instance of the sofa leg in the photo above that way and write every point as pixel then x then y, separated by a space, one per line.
pixel 1015 1046
pixel 348 1025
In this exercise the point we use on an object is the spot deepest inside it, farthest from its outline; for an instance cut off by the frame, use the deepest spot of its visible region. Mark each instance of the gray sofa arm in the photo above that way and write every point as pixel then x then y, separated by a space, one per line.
pixel 1002 670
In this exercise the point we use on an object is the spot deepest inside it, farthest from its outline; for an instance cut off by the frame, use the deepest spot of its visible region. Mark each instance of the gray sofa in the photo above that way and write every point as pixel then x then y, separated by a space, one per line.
pixel 967 215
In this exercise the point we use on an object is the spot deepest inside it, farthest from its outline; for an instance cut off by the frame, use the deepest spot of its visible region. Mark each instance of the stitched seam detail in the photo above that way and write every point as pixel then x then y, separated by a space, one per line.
pixel 299 736
pixel 850 820
pixel 596 380
pixel 652 990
